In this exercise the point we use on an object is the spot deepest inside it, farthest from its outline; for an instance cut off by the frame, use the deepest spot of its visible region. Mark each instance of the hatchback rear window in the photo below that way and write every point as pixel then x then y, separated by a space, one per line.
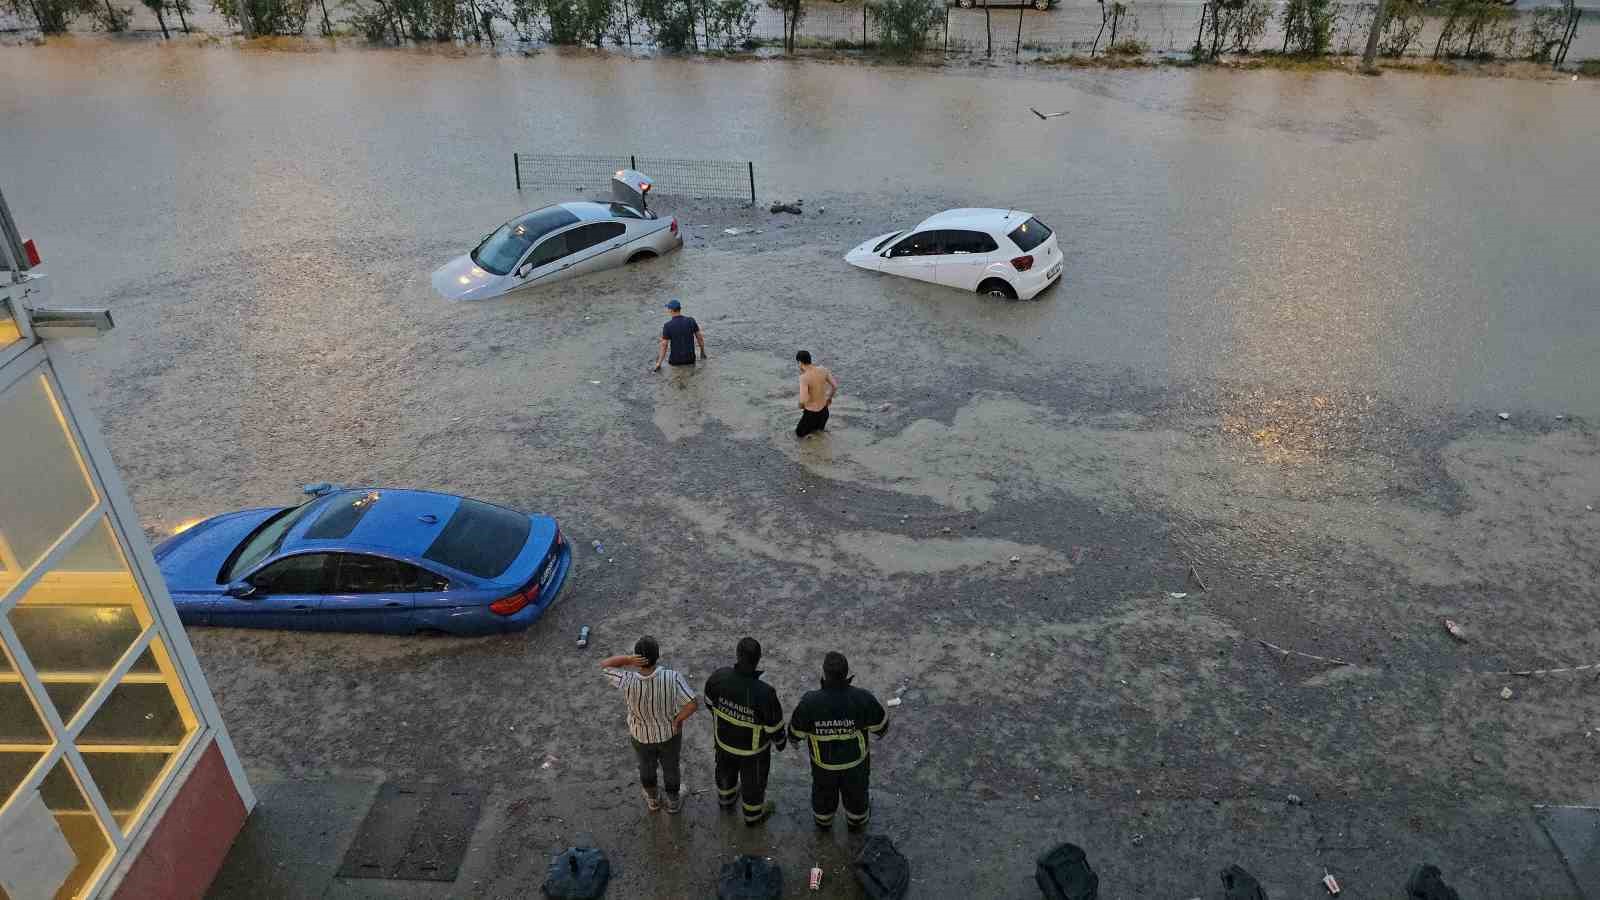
pixel 1030 234
pixel 480 539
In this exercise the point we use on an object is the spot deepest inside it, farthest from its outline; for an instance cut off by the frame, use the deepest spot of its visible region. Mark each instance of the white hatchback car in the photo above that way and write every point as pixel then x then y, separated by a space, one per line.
pixel 1000 252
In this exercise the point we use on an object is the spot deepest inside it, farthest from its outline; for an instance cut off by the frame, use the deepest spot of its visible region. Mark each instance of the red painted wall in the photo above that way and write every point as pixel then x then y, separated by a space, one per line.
pixel 191 840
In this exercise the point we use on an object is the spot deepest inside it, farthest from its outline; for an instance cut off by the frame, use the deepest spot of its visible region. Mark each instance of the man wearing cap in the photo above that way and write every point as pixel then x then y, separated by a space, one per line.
pixel 833 723
pixel 678 338
pixel 747 722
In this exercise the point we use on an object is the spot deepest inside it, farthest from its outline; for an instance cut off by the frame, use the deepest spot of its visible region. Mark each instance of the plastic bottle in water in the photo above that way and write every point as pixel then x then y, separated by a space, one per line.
pixel 599 548
pixel 583 636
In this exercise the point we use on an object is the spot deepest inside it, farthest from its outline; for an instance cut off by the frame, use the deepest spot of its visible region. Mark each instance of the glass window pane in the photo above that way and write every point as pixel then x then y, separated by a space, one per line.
pixel 78 620
pixel 78 823
pixel 22 731
pixel 44 488
pixel 130 740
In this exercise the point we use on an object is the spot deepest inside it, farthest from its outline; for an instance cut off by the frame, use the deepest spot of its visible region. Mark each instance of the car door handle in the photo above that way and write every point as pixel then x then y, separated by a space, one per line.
pixel 393 604
pixel 301 606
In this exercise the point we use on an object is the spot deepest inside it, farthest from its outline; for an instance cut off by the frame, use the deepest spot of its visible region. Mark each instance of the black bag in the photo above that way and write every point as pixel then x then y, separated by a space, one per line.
pixel 578 873
pixel 1237 884
pixel 1427 883
pixel 750 878
pixel 1064 874
pixel 883 871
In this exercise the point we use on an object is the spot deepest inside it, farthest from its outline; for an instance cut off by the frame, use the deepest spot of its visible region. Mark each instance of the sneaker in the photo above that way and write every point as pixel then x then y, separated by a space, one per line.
pixel 651 801
pixel 674 803
pixel 767 810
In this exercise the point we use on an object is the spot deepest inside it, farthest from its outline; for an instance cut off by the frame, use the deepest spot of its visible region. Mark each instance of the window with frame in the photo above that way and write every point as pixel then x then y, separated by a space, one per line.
pixel 923 243
pixel 304 573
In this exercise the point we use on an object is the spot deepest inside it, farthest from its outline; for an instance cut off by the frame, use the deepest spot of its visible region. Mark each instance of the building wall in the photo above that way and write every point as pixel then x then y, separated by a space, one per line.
pixel 191 837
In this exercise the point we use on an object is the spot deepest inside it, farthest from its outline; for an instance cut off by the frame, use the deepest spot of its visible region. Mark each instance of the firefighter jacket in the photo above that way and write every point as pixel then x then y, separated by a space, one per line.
pixel 835 722
pixel 745 713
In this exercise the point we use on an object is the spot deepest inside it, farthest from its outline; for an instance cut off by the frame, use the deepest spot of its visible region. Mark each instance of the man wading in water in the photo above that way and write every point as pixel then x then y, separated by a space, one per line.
pixel 817 387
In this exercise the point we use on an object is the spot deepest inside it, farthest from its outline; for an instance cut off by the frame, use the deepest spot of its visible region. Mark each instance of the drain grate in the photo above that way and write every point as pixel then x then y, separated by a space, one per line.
pixel 414 832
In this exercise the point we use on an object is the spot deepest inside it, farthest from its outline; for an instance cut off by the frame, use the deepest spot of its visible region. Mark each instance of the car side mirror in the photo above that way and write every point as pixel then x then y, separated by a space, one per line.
pixel 241 590
pixel 523 272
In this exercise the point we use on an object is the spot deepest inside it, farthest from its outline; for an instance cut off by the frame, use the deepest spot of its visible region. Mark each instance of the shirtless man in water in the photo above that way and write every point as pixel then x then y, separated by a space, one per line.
pixel 817 387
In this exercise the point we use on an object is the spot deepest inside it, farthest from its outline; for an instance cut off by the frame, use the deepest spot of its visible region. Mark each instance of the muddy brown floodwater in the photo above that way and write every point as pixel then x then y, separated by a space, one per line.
pixel 1292 308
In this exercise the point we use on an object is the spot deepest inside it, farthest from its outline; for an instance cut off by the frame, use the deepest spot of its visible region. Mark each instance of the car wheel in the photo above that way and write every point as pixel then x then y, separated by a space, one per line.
pixel 964 4
pixel 1041 5
pixel 994 287
pixel 641 256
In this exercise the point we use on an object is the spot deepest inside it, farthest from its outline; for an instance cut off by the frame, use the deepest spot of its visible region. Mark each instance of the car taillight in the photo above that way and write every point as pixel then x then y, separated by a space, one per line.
pixel 1022 263
pixel 674 225
pixel 559 539
pixel 514 603
pixel 32 252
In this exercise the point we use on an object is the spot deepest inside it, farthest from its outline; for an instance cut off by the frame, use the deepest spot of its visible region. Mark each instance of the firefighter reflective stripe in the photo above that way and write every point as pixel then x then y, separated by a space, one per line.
pixel 816 748
pixel 725 796
pixel 756 743
pixel 823 821
pixel 856 821
pixel 881 727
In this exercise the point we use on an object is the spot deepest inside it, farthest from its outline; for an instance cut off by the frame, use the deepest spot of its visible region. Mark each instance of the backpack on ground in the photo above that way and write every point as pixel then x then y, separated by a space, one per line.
pixel 1237 884
pixel 883 871
pixel 1063 873
pixel 1427 883
pixel 578 873
pixel 751 878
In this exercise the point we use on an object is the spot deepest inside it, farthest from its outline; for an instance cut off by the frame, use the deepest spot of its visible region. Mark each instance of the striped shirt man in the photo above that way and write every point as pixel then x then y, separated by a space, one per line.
pixel 653 701
pixel 658 701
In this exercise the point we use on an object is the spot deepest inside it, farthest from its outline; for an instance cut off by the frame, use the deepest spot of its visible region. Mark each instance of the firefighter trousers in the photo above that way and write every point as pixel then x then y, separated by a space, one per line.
pixel 743 779
pixel 851 785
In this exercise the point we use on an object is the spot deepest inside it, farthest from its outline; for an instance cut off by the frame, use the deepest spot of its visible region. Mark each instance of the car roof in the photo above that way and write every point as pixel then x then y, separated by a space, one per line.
pixel 590 211
pixel 976 217
pixel 391 520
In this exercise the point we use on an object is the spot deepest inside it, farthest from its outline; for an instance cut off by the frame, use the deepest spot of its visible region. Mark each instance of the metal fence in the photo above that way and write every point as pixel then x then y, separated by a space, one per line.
pixel 698 179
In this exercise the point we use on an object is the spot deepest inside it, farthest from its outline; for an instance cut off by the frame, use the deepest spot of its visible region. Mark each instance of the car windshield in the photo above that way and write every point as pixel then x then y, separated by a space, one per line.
pixel 883 243
pixel 501 250
pixel 480 539
pixel 1030 234
pixel 265 540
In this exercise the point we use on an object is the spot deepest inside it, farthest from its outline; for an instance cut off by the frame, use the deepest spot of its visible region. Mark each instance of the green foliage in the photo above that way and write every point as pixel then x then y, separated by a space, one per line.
pixel 1236 25
pixel 794 12
pixel 670 22
pixel 1402 28
pixel 109 18
pixel 268 16
pixel 1127 47
pixel 1308 26
pixel 1473 29
pixel 903 25
pixel 730 24
pixel 51 16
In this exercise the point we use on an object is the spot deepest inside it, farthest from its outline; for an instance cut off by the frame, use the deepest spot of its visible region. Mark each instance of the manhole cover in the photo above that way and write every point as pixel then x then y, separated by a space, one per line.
pixel 414 832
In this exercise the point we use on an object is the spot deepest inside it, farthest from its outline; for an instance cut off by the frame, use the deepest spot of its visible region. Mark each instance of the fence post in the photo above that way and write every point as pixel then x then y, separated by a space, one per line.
pixel 516 166
pixel 947 29
pixel 752 166
pixel 633 161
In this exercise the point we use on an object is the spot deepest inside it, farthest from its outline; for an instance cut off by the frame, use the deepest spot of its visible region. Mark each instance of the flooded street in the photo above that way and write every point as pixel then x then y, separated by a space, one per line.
pixel 1292 308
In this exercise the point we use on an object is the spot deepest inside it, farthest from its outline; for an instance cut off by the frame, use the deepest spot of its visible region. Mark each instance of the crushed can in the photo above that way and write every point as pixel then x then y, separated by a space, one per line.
pixel 583 636
pixel 1329 882
pixel 816 878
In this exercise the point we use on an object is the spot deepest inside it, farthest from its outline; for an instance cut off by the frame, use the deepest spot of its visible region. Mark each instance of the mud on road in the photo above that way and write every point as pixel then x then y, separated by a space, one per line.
pixel 999 536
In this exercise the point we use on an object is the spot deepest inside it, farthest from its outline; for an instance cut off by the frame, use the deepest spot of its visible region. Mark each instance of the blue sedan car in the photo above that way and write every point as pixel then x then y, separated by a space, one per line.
pixel 389 561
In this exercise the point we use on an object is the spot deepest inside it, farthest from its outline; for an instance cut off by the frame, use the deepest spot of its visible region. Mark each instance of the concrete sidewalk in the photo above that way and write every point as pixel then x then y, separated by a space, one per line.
pixel 294 843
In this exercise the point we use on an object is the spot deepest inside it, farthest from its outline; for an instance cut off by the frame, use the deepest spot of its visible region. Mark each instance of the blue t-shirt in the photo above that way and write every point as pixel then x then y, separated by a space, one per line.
pixel 679 332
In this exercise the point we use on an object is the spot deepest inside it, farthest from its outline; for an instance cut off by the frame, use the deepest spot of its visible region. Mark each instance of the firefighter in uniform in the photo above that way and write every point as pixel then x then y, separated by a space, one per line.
pixel 747 721
pixel 834 723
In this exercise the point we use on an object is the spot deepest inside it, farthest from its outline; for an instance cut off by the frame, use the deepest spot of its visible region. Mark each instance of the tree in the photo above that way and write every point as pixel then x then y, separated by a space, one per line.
pixel 1308 26
pixel 156 7
pixel 903 25
pixel 182 8
pixel 793 12
pixel 51 16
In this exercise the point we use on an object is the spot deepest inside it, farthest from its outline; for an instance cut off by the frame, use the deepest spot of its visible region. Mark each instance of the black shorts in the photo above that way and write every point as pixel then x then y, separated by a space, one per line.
pixel 811 421
pixel 687 362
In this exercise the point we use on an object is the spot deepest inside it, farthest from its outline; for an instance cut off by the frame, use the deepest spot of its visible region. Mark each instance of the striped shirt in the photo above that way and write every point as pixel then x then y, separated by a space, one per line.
pixel 653 701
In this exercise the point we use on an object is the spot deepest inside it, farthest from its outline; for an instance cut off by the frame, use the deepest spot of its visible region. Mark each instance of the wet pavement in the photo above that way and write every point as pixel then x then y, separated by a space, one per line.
pixel 1292 309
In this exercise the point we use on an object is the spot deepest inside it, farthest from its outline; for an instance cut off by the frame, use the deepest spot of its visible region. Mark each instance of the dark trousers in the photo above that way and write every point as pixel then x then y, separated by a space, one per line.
pixel 852 785
pixel 744 778
pixel 665 754
pixel 811 421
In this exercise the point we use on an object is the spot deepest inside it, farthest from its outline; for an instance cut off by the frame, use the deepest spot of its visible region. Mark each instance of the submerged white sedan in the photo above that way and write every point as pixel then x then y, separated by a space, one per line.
pixel 560 242
pixel 1001 252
